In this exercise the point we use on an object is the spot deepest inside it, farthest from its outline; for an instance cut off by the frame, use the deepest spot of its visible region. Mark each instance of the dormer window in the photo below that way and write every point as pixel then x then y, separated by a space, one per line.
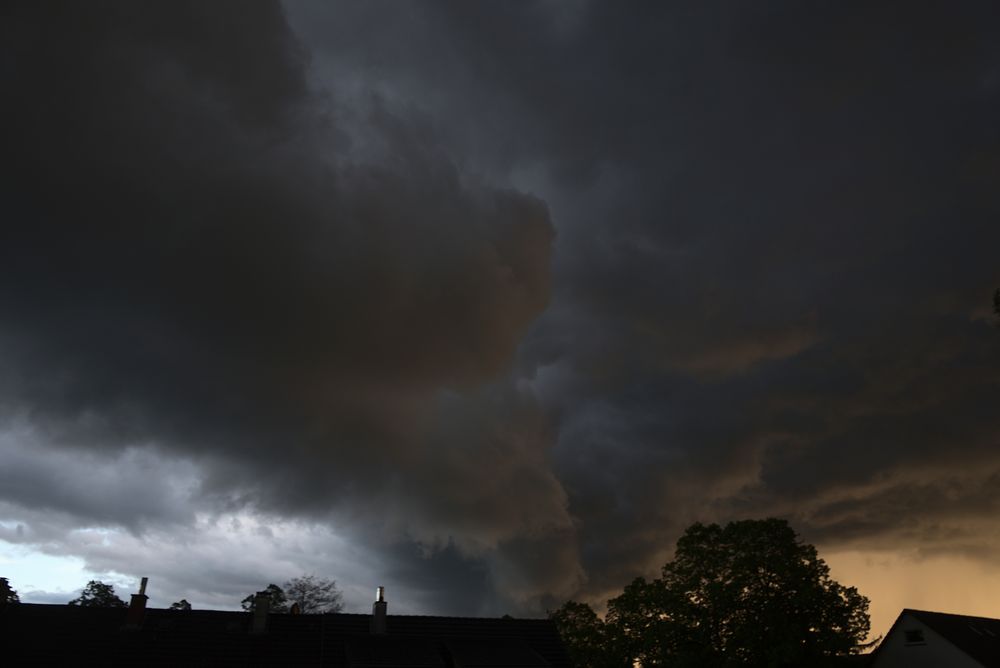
pixel 915 637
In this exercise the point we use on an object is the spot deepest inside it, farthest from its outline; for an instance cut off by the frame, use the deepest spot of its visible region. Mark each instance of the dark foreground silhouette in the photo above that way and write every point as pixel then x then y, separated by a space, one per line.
pixel 746 594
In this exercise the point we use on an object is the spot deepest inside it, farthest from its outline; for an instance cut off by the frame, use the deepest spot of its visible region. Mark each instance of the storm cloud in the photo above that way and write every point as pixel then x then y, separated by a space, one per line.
pixel 496 296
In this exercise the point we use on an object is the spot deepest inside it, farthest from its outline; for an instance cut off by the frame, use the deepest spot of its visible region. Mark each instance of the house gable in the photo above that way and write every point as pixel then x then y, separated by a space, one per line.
pixel 922 639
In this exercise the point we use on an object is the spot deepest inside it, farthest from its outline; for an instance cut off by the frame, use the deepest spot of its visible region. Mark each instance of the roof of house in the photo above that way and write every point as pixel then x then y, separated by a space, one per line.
pixel 978 637
pixel 63 634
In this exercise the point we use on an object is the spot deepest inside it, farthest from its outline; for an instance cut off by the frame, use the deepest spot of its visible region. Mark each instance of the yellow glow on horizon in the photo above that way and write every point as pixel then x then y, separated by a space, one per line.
pixel 895 581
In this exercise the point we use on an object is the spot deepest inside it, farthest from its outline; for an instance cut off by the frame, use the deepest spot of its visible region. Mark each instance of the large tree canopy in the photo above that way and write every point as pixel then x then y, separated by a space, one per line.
pixel 98 595
pixel 747 594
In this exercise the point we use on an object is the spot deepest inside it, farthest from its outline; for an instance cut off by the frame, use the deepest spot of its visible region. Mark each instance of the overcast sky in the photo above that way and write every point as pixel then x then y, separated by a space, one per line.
pixel 486 301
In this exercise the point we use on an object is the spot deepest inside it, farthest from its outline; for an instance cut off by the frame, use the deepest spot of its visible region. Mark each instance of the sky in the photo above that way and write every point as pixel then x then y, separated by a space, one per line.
pixel 486 302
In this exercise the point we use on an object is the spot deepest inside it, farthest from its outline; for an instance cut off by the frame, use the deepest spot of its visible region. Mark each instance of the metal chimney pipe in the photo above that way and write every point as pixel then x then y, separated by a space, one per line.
pixel 380 609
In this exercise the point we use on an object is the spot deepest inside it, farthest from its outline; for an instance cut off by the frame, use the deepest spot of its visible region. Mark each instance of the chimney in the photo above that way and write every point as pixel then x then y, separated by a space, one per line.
pixel 379 609
pixel 137 608
pixel 261 606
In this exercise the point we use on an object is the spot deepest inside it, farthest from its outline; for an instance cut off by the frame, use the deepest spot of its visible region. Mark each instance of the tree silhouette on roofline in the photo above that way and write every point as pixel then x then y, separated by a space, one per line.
pixel 7 593
pixel 276 598
pixel 98 595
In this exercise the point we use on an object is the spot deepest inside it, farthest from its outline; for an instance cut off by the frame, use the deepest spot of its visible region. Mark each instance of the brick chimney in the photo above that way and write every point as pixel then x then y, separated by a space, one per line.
pixel 137 608
pixel 379 610
pixel 261 607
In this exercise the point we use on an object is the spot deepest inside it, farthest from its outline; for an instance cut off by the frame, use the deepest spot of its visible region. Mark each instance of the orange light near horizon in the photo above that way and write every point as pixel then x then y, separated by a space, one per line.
pixel 893 581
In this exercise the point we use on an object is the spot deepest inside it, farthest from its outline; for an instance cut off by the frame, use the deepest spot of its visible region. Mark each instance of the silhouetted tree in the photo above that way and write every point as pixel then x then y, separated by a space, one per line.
pixel 314 595
pixel 747 594
pixel 7 594
pixel 98 595
pixel 182 605
pixel 587 638
pixel 277 599
pixel 996 302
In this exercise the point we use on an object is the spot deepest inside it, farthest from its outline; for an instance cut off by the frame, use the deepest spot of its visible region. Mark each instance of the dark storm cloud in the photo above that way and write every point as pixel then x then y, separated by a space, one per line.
pixel 828 235
pixel 198 255
pixel 777 232
pixel 305 258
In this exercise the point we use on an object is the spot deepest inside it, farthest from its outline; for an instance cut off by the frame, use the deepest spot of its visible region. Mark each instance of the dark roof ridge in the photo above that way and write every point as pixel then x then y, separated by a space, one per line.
pixel 342 614
pixel 506 619
pixel 55 633
pixel 917 612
